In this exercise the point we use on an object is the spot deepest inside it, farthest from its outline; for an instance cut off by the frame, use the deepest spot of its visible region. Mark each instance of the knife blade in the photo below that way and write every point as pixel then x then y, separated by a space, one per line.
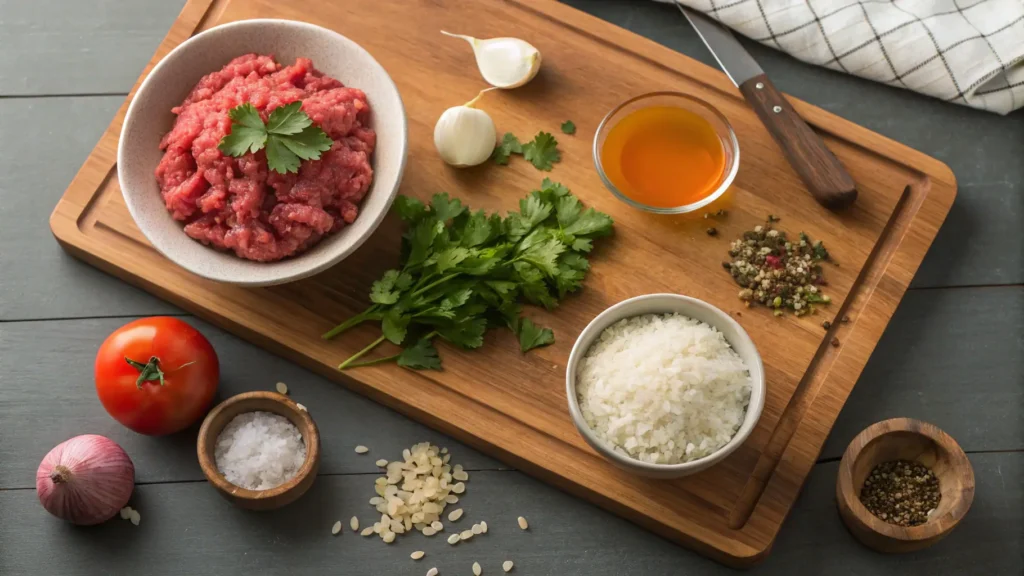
pixel 825 177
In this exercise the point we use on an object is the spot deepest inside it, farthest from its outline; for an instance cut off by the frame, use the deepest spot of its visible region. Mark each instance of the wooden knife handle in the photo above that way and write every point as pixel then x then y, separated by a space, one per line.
pixel 821 171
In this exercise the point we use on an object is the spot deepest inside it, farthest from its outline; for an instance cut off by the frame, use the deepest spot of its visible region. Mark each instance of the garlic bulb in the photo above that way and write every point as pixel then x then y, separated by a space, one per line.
pixel 504 62
pixel 464 135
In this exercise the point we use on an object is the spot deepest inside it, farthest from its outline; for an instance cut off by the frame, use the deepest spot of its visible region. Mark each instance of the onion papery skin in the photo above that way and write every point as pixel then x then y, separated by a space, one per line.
pixel 85 480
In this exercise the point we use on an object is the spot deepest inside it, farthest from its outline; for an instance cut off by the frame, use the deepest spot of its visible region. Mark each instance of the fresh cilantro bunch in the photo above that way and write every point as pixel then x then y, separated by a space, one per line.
pixel 465 271
pixel 289 136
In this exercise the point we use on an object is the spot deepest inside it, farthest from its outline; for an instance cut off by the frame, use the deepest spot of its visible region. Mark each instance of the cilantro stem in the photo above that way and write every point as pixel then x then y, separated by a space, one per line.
pixel 435 283
pixel 361 353
pixel 380 360
pixel 351 322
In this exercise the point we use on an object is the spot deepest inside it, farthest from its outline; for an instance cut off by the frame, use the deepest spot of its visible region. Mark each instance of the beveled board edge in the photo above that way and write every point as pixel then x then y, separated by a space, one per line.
pixel 904 246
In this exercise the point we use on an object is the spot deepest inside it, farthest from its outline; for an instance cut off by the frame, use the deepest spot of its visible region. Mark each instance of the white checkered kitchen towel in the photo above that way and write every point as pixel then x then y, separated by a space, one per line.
pixel 969 52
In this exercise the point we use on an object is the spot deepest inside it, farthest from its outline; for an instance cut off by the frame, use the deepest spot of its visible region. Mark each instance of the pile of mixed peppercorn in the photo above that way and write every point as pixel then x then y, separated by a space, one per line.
pixel 776 272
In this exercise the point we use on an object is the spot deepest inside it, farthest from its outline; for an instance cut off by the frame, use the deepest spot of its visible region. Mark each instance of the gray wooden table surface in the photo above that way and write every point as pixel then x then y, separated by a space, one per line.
pixel 953 354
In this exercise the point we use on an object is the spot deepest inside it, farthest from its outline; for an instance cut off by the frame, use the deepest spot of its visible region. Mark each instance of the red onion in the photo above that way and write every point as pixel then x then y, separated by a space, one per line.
pixel 85 480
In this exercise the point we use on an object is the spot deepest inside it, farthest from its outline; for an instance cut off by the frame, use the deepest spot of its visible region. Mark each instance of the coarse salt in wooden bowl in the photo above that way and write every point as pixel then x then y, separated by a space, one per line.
pixel 260 401
pixel 916 441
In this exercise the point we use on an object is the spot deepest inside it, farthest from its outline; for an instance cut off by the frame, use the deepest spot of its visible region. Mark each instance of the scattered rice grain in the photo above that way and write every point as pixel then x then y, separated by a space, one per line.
pixel 428 531
pixel 135 517
pixel 282 388
pixel 354 523
pixel 453 539
pixel 477 529
pixel 126 512
pixel 477 571
pixel 455 515
pixel 507 565
pixel 483 527
pixel 451 499
pixel 336 529
pixel 459 488
pixel 432 572
pixel 301 407
pixel 460 475
pixel 465 535
pixel 366 531
pixel 416 555
pixel 437 525
pixel 382 463
pixel 362 449
pixel 388 537
pixel 522 523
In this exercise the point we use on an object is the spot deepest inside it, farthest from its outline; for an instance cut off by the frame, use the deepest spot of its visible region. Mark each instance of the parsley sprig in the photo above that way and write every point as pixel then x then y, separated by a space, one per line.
pixel 463 271
pixel 289 136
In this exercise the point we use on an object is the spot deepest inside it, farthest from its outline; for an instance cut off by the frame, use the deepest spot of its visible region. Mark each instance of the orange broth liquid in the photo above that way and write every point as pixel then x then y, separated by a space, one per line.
pixel 664 157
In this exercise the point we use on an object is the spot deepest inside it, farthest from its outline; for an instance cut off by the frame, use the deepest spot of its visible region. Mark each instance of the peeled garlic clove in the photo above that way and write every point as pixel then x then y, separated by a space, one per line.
pixel 464 135
pixel 504 62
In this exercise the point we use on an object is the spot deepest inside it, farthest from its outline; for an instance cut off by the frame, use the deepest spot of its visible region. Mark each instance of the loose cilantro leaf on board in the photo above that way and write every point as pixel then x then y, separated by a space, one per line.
pixel 508 146
pixel 568 127
pixel 532 336
pixel 542 151
pixel 288 136
pixel 463 271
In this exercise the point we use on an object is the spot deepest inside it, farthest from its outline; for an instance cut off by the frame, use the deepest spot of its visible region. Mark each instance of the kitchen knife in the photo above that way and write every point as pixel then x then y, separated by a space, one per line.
pixel 825 177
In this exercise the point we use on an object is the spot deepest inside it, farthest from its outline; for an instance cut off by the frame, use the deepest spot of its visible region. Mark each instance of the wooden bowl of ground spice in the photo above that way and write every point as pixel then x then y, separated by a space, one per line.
pixel 260 450
pixel 903 485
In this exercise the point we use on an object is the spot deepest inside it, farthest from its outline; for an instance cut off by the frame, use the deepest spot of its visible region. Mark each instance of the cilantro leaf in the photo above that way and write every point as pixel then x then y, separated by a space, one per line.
pixel 445 208
pixel 590 222
pixel 288 119
pixel 308 144
pixel 456 299
pixel 542 151
pixel 420 356
pixel 532 336
pixel 509 145
pixel 477 229
pixel 450 258
pixel 410 210
pixel 279 158
pixel 394 325
pixel 383 291
pixel 467 334
pixel 582 244
pixel 289 136
pixel 421 241
pixel 568 127
pixel 568 210
pixel 555 188
pixel 241 140
pixel 533 210
pixel 545 256
pixel 246 115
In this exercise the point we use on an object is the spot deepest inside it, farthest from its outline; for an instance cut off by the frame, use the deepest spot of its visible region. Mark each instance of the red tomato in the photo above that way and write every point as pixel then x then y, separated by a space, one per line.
pixel 156 375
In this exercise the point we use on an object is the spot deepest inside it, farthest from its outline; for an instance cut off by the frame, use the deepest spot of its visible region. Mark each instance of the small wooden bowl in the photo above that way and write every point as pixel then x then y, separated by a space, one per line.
pixel 271 498
pixel 904 439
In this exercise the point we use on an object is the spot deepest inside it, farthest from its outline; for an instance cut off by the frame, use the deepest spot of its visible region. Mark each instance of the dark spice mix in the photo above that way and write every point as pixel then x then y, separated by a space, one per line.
pixel 901 492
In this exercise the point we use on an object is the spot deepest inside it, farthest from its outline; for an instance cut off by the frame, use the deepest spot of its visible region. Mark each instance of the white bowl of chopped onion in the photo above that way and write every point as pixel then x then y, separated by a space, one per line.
pixel 664 385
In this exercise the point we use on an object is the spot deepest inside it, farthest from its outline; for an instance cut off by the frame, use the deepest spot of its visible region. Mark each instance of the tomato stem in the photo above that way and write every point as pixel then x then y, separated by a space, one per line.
pixel 148 372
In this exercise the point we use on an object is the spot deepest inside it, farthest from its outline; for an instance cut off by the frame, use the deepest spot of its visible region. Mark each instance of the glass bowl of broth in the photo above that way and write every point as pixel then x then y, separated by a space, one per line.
pixel 666 152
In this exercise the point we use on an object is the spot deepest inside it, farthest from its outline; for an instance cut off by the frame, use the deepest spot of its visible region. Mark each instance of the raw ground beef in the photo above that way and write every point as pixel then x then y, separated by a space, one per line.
pixel 237 203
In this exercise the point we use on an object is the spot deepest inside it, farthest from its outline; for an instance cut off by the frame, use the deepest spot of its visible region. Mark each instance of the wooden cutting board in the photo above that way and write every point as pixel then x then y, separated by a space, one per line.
pixel 512 405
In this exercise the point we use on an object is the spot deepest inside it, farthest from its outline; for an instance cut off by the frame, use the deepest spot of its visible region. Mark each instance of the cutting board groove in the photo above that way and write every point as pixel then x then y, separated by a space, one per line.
pixel 513 405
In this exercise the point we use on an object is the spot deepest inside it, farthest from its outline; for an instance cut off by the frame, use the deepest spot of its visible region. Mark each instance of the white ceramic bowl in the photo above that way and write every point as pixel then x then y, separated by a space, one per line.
pixel 664 304
pixel 149 118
